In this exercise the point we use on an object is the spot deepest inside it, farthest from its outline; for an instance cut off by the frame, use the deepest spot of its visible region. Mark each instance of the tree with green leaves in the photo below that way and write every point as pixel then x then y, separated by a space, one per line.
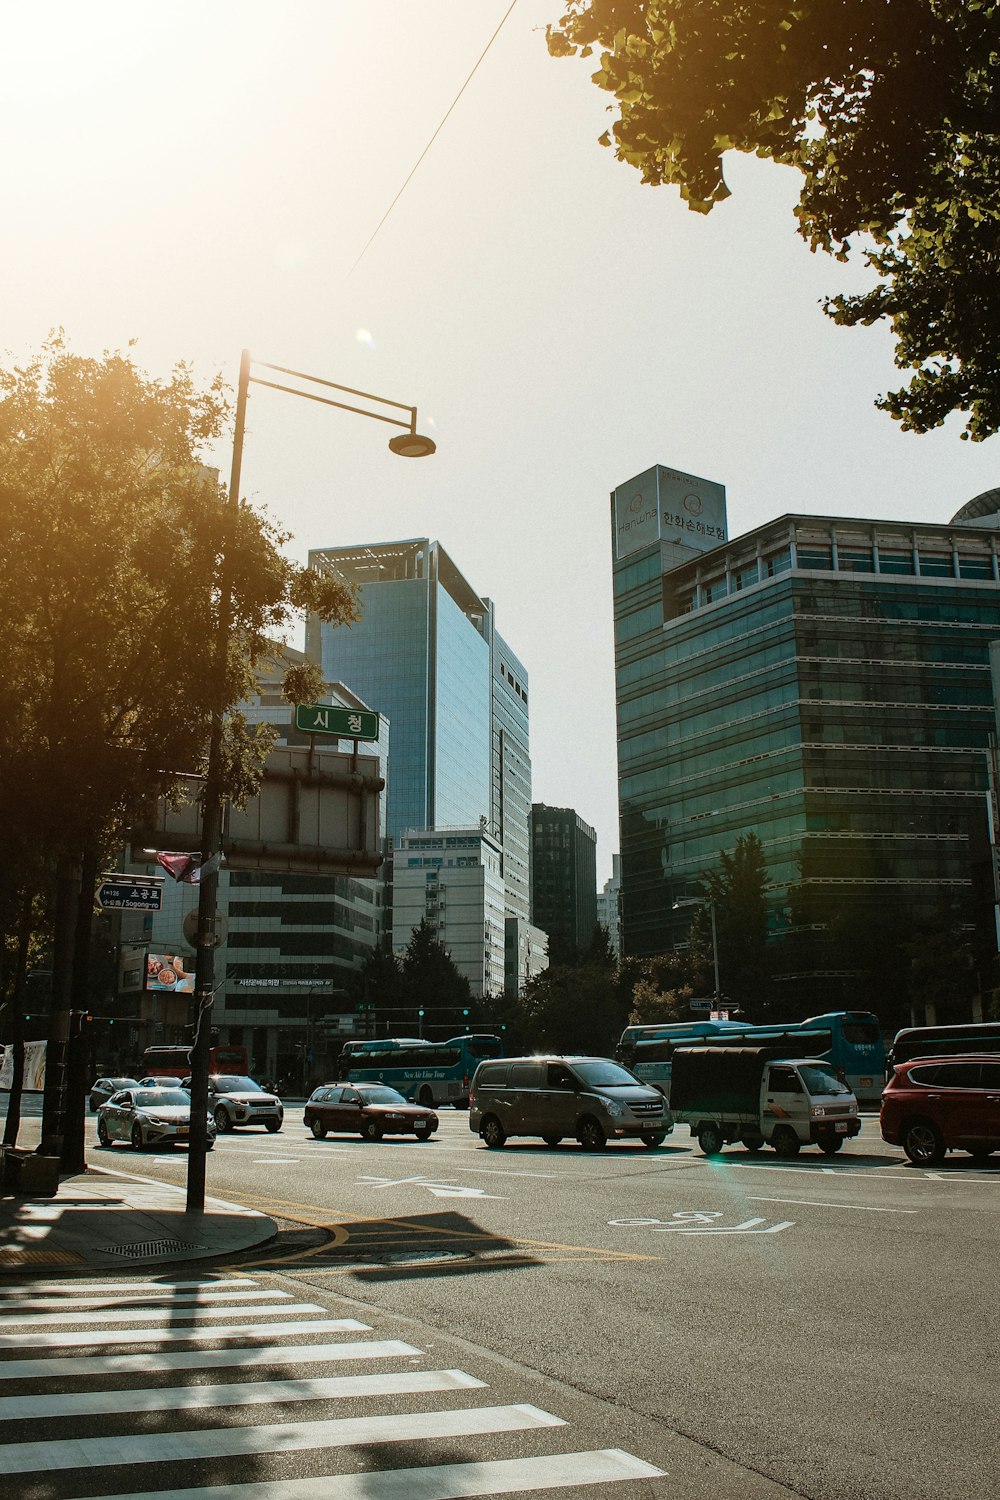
pixel 888 108
pixel 430 978
pixel 737 890
pixel 118 545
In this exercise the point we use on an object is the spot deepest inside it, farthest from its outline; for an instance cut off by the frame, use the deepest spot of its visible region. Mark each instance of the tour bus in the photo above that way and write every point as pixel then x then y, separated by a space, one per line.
pixel 850 1040
pixel 175 1062
pixel 425 1072
pixel 942 1041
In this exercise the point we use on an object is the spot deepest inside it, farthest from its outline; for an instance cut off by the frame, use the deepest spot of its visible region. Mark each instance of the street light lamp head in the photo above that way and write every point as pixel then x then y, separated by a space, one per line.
pixel 412 445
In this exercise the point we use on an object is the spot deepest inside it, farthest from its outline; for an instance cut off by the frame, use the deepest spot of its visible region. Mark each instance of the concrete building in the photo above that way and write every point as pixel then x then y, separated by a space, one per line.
pixel 526 954
pixel 451 878
pixel 607 906
pixel 823 682
pixel 293 941
pixel 427 654
pixel 564 879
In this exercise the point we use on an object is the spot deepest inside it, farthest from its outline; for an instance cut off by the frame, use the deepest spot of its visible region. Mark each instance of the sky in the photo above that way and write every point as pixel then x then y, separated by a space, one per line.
pixel 202 178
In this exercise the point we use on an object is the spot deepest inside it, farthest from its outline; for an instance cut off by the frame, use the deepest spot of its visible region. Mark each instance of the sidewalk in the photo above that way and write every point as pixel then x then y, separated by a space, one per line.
pixel 103 1219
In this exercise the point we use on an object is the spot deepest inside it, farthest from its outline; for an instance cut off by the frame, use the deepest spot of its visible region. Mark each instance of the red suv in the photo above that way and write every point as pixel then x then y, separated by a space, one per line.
pixel 936 1104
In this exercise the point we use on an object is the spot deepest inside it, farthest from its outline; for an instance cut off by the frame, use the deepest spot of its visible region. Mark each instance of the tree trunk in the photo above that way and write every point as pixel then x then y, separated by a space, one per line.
pixel 57 1049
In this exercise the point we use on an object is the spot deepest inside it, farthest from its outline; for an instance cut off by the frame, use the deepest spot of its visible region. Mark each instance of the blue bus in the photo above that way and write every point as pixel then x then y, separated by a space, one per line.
pixel 850 1040
pixel 428 1073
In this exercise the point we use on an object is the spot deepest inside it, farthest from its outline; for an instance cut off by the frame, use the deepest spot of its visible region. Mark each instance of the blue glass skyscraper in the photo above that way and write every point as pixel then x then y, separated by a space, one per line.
pixel 426 653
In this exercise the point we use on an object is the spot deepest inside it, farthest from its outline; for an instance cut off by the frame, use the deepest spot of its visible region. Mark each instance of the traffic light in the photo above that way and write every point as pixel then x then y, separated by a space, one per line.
pixel 465 1013
pixel 420 1013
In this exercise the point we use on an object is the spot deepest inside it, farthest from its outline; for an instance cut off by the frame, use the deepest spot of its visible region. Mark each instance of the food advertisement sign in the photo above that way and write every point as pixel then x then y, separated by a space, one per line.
pixel 166 971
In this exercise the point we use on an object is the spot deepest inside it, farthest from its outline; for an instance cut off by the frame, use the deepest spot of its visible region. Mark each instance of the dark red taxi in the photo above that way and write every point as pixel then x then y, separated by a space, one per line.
pixel 931 1105
pixel 370 1110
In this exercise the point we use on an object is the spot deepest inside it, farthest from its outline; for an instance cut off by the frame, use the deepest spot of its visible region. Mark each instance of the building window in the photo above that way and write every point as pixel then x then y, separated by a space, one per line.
pixel 854 560
pixel 895 562
pixel 974 567
pixel 936 565
pixel 818 559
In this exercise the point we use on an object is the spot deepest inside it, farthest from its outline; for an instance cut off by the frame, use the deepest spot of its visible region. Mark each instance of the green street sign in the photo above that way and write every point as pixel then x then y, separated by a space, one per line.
pixel 344 723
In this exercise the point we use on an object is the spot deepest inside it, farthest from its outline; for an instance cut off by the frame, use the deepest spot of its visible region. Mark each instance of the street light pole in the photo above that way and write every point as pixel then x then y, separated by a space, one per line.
pixel 708 901
pixel 407 444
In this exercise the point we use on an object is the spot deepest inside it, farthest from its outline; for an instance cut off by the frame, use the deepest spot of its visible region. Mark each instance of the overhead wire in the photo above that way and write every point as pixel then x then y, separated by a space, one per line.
pixel 433 138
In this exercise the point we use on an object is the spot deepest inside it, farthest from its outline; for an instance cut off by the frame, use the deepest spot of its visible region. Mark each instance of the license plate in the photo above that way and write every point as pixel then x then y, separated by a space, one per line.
pixel 842 1127
pixel 866 1083
pixel 182 1130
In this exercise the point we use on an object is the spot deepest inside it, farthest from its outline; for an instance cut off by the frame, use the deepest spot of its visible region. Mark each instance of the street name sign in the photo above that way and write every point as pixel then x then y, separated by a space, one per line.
pixel 344 723
pixel 123 893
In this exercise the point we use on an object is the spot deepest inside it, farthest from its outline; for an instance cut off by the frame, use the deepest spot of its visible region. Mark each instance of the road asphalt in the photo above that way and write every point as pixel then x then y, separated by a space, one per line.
pixel 101 1218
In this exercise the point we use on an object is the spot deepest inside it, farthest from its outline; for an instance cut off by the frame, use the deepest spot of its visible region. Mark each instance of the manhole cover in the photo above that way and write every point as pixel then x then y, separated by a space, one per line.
pixel 149 1247
pixel 421 1257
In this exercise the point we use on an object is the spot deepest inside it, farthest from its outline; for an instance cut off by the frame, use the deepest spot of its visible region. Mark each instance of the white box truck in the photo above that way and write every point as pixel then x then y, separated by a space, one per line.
pixel 761 1096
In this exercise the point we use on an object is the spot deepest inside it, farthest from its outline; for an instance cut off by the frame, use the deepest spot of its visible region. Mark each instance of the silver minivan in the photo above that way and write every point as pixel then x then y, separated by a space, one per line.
pixel 589 1099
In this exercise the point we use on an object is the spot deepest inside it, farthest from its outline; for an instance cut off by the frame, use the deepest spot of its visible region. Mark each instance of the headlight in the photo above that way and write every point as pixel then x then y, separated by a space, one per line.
pixel 817 1111
pixel 611 1105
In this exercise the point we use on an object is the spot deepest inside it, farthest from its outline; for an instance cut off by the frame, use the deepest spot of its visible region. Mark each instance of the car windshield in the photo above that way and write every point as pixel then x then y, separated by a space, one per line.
pixel 822 1080
pixel 233 1083
pixel 159 1098
pixel 382 1095
pixel 601 1073
pixel 115 1083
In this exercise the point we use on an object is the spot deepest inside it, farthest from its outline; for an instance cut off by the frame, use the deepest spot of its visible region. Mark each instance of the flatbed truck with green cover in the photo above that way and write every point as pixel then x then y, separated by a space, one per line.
pixel 761 1096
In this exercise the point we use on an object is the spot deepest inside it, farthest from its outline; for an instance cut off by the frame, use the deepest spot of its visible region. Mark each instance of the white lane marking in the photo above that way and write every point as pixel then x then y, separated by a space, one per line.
pixel 505 1476
pixel 910 1177
pixel 231 1442
pixel 157 1314
pixel 185 1301
pixel 818 1203
pixel 275 1161
pixel 81 1288
pixel 165 1360
pixel 701 1223
pixel 173 1335
pixel 436 1189
pixel 249 1393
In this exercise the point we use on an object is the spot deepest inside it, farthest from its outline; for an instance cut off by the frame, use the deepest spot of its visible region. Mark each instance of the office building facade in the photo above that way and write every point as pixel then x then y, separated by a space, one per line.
pixel 824 683
pixel 293 942
pixel 607 906
pixel 452 880
pixel 426 653
pixel 564 880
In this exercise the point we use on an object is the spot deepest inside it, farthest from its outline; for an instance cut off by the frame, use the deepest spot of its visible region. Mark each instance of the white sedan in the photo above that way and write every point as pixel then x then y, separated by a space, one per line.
pixel 149 1117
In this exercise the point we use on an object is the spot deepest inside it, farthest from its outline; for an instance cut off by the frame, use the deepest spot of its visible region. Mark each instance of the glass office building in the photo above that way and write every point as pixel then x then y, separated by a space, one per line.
pixel 426 653
pixel 822 682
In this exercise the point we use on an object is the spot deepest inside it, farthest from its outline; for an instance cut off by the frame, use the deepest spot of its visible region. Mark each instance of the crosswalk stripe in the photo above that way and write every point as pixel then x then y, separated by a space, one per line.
pixel 184 1299
pixel 205 1359
pixel 98 1337
pixel 232 1442
pixel 504 1476
pixel 250 1393
pixel 156 1314
pixel 120 1288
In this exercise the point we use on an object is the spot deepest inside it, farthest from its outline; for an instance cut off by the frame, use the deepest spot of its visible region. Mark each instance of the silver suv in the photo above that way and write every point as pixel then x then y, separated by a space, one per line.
pixel 590 1099
pixel 234 1100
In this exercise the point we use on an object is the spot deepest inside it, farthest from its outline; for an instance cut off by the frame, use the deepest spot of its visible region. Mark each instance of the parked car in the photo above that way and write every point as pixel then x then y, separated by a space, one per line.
pixel 236 1100
pixel 371 1110
pixel 148 1117
pixel 931 1105
pixel 103 1088
pixel 587 1098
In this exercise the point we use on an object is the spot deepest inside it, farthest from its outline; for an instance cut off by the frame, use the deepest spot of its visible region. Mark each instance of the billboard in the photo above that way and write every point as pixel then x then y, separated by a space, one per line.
pixel 165 973
pixel 667 505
